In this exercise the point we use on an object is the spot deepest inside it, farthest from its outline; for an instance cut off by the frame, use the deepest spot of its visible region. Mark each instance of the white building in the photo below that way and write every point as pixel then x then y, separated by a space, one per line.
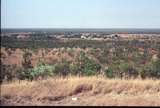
pixel 83 37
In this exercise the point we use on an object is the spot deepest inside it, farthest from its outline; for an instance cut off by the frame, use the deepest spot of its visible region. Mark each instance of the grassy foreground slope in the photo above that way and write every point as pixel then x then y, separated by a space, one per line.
pixel 82 91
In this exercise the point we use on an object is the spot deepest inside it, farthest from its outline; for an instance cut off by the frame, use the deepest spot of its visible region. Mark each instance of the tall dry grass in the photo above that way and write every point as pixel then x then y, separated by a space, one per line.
pixel 96 89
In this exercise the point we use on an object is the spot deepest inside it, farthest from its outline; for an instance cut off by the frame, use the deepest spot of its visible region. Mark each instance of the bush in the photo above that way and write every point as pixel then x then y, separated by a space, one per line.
pixel 27 59
pixel 73 69
pixel 124 67
pixel 155 69
pixel 88 66
pixel 62 68
pixel 151 70
pixel 42 70
pixel 26 74
pixel 109 73
pixel 20 74
pixel 8 72
pixel 128 69
pixel 91 68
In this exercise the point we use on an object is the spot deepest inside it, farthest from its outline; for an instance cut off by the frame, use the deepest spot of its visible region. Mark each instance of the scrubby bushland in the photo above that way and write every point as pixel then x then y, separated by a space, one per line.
pixel 84 66
pixel 114 58
pixel 9 72
pixel 87 66
pixel 151 70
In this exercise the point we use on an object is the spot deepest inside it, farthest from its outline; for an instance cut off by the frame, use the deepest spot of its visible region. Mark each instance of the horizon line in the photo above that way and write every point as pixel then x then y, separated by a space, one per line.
pixel 73 28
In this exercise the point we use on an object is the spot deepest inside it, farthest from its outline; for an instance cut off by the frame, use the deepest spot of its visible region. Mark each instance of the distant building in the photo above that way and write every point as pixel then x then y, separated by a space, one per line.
pixel 83 37
pixel 22 36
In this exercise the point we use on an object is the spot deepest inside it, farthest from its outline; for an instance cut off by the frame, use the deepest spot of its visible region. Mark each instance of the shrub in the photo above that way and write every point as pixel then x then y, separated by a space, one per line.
pixel 8 72
pixel 42 70
pixel 128 69
pixel 3 72
pixel 155 68
pixel 27 59
pixel 151 70
pixel 62 68
pixel 73 69
pixel 20 74
pixel 109 73
pixel 124 67
pixel 88 66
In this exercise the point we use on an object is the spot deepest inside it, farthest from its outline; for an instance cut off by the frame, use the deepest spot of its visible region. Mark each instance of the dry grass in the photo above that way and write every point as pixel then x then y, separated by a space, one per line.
pixel 51 55
pixel 88 90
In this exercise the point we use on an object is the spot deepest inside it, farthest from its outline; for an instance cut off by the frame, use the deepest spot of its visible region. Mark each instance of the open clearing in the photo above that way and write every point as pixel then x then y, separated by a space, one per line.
pixel 90 91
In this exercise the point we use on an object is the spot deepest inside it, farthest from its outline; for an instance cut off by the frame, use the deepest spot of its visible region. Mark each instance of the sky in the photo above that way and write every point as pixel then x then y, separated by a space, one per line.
pixel 80 13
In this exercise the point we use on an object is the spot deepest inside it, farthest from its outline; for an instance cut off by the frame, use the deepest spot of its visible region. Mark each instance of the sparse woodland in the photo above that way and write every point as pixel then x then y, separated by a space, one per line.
pixel 112 59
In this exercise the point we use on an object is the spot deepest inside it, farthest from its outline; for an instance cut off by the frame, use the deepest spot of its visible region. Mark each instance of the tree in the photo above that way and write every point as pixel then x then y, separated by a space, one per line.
pixel 26 65
pixel 87 65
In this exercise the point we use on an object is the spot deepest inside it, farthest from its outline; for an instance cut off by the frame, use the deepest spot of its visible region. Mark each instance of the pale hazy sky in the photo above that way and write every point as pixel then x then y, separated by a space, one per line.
pixel 80 13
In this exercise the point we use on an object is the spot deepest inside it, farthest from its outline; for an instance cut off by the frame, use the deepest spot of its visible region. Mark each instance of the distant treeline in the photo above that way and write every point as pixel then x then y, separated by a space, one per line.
pixel 44 42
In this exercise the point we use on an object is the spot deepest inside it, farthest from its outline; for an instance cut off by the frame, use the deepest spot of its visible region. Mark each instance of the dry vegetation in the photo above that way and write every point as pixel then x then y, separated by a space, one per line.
pixel 130 65
pixel 88 91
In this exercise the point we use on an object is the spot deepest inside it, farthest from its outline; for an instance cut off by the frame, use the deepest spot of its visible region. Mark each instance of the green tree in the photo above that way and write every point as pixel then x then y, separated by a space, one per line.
pixel 109 72
pixel 88 66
